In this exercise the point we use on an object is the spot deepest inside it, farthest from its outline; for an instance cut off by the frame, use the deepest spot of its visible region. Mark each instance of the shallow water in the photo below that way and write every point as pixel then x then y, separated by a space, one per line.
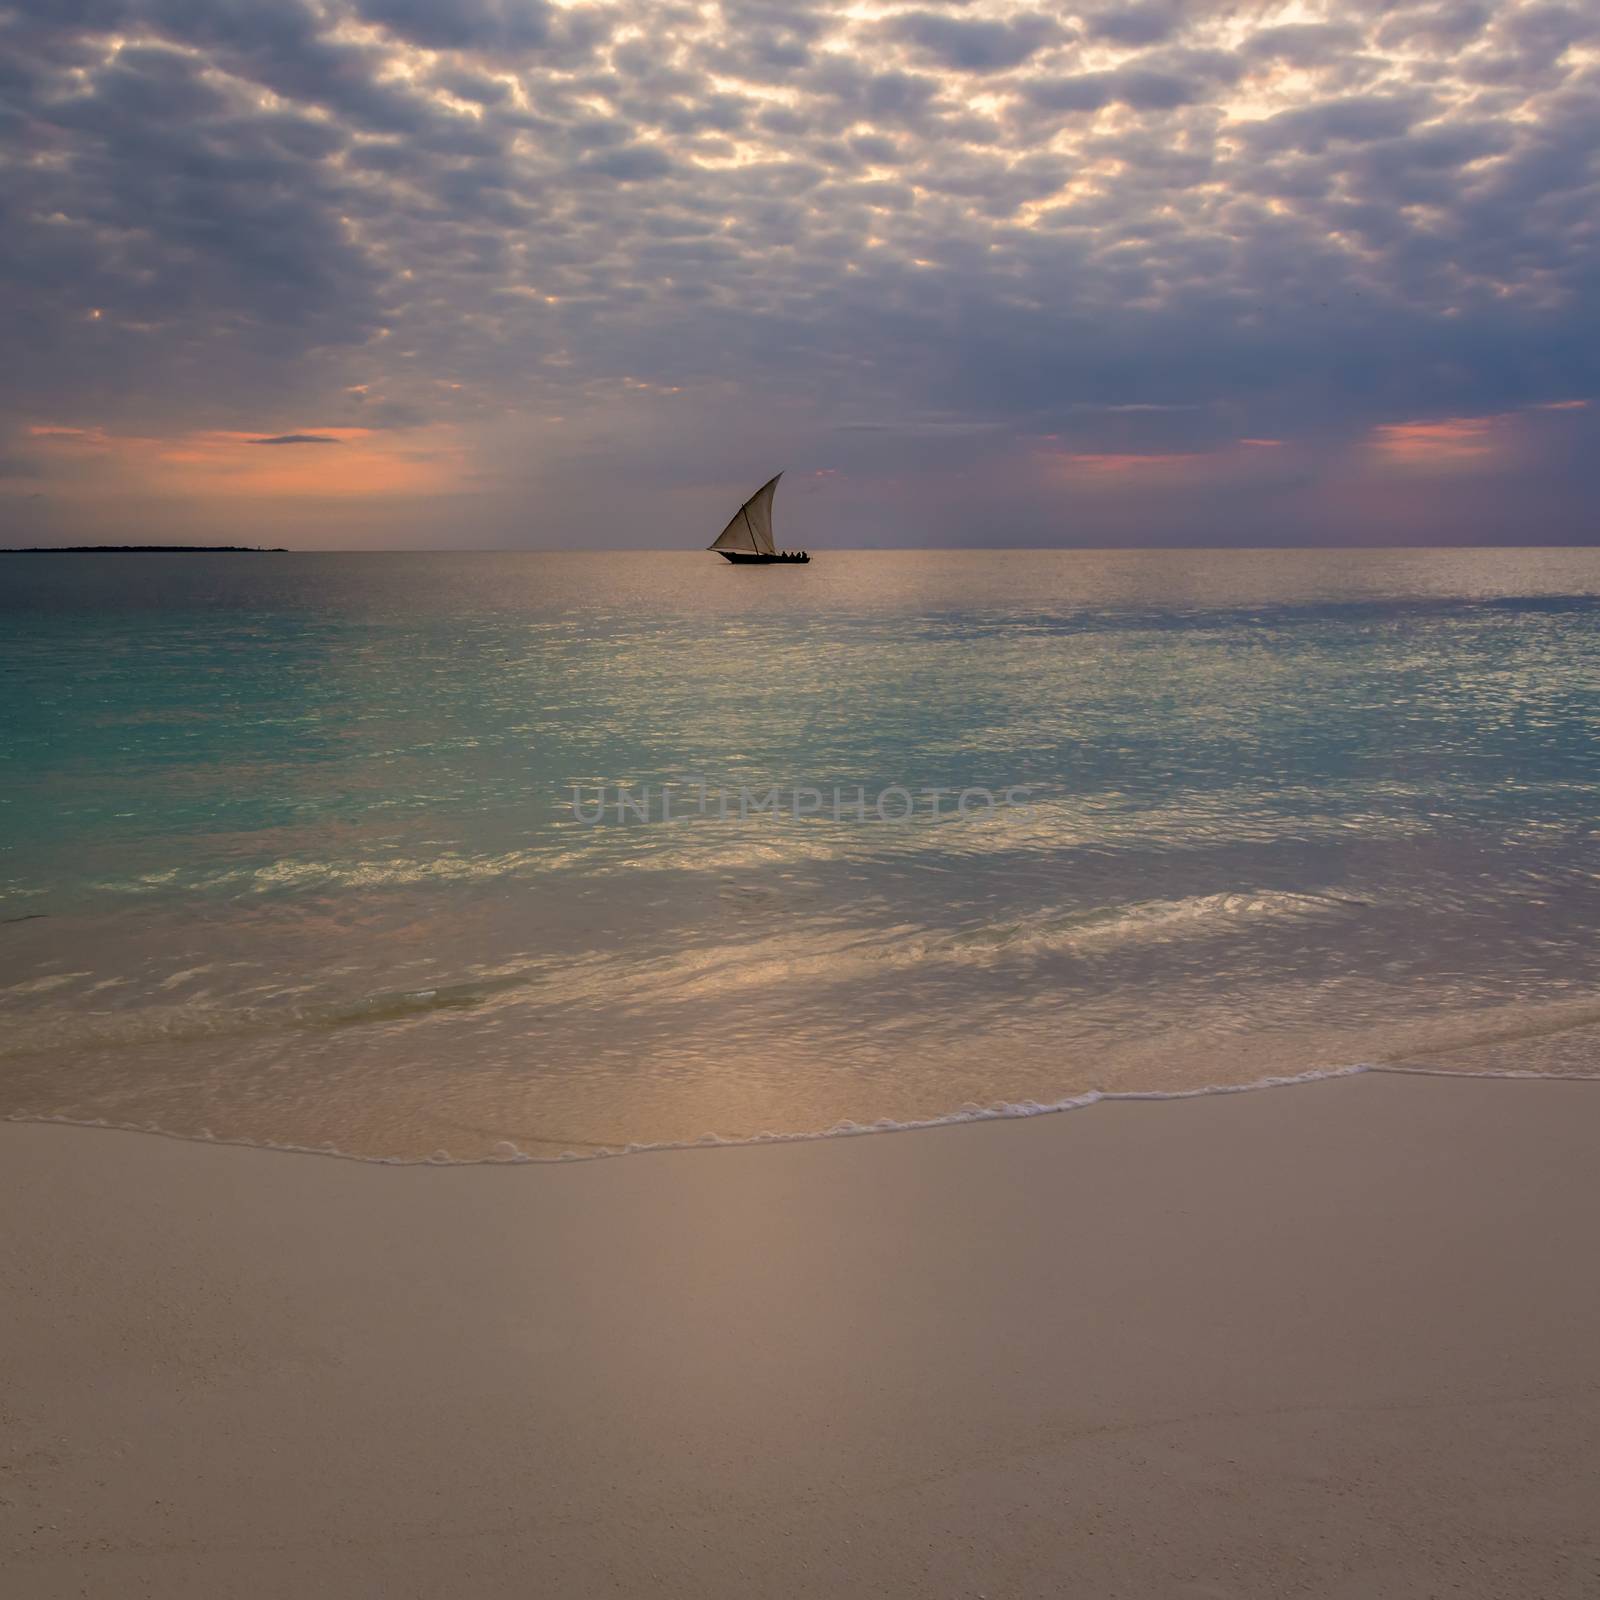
pixel 295 841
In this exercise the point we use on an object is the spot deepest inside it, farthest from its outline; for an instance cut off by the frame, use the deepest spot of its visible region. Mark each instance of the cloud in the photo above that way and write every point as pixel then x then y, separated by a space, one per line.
pixel 611 253
pixel 477 25
pixel 1304 44
pixel 1137 24
pixel 1357 119
pixel 298 438
pixel 628 164
pixel 1450 440
pixel 976 44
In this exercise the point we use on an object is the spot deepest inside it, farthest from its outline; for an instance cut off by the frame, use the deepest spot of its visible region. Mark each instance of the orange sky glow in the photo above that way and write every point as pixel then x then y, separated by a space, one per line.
pixel 357 463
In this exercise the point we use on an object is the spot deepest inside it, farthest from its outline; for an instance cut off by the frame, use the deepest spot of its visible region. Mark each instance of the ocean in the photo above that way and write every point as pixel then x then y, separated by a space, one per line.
pixel 504 856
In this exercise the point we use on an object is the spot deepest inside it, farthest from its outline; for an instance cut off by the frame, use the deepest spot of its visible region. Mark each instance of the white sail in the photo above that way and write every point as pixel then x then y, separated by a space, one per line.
pixel 751 528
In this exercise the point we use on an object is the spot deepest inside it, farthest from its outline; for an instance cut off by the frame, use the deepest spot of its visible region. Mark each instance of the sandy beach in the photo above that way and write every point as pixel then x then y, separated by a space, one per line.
pixel 1336 1339
pixel 798 802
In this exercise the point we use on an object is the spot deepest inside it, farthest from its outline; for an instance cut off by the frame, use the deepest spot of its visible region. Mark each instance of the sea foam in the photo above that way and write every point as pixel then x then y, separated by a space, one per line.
pixel 506 1153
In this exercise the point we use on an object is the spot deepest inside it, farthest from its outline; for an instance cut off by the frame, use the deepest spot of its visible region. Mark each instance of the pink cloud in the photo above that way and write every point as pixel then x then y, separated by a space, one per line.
pixel 1445 441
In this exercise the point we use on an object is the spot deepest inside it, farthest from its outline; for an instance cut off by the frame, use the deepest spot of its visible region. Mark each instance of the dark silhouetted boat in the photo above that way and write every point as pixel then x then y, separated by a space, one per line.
pixel 748 538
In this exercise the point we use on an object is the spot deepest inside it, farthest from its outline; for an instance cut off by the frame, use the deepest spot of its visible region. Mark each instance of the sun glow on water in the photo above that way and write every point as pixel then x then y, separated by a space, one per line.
pixel 299 860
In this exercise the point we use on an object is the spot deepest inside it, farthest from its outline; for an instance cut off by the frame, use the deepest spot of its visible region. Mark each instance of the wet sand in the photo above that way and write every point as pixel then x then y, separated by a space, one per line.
pixel 1337 1339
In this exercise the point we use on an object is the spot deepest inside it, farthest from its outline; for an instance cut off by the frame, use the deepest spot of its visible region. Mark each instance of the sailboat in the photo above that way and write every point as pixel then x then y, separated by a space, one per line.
pixel 748 538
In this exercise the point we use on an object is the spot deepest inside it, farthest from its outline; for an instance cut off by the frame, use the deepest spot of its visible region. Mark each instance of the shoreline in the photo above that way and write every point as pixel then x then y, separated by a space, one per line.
pixel 999 1111
pixel 1333 1343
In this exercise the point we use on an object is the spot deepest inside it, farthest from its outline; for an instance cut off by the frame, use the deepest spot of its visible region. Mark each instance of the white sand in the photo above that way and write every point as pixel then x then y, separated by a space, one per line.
pixel 1333 1340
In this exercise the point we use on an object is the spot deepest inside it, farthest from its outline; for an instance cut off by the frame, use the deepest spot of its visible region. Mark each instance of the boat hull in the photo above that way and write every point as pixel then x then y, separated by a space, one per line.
pixel 750 558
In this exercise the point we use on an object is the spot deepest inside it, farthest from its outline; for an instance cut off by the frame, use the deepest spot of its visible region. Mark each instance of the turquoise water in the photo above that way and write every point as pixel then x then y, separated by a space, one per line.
pixel 288 850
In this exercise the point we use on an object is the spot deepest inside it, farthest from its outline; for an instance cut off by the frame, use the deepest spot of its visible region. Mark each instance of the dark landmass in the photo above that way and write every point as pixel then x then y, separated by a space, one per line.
pixel 141 549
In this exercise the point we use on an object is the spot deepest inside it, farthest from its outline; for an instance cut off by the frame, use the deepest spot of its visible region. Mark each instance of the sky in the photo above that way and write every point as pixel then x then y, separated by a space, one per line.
pixel 510 273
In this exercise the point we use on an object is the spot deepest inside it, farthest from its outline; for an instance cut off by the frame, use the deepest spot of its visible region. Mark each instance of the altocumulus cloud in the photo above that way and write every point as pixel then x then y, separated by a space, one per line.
pixel 1000 271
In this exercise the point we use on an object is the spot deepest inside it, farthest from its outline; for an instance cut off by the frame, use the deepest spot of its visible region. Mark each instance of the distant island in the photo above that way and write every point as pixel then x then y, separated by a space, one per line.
pixel 141 549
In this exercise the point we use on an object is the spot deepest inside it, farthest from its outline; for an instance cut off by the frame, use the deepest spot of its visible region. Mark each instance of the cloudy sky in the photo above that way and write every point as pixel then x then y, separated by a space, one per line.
pixel 506 272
